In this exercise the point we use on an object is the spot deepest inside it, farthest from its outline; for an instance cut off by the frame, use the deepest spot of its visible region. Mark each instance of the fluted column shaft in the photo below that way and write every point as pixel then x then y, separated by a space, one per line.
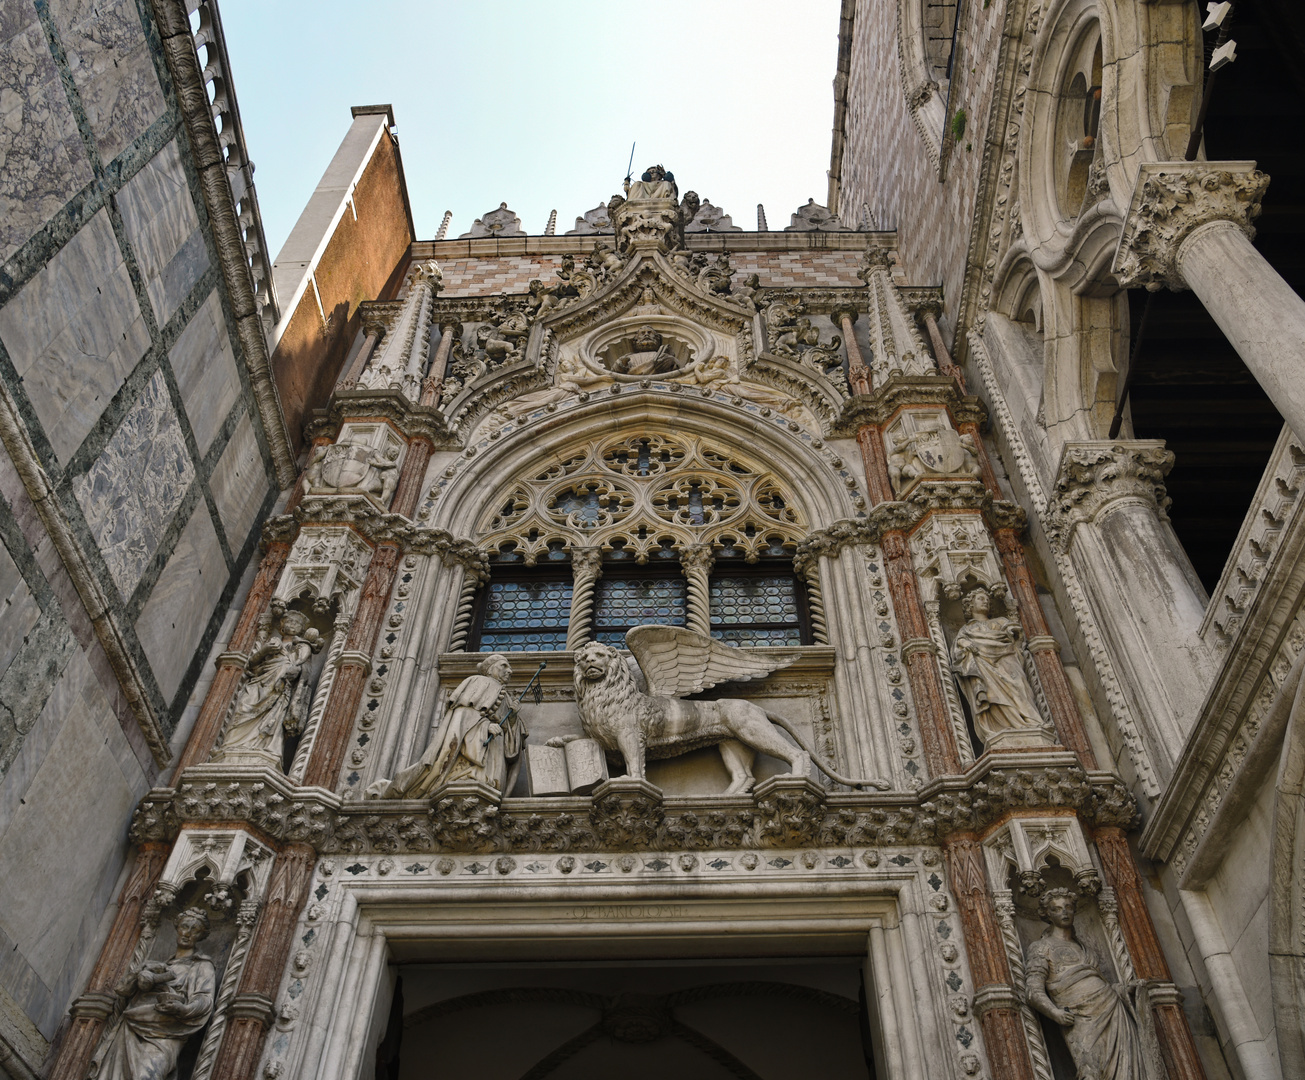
pixel 251 1010
pixel 994 996
pixel 91 1011
pixel 1182 1062
pixel 231 664
pixel 586 569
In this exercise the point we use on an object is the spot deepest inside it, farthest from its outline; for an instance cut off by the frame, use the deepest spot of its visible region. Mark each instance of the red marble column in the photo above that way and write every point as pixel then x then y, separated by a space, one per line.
pixel 411 478
pixel 930 316
pixel 918 650
pixel 875 461
pixel 1182 1062
pixel 83 1035
pixel 231 666
pixel 351 676
pixel 995 1001
pixel 251 1009
pixel 1051 672
pixel 858 375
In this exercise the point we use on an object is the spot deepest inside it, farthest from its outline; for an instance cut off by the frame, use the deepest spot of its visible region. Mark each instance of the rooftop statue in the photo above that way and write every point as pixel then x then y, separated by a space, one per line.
pixel 660 724
pixel 655 183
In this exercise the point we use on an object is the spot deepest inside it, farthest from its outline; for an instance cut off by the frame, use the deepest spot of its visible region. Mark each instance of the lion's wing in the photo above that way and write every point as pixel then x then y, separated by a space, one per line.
pixel 676 661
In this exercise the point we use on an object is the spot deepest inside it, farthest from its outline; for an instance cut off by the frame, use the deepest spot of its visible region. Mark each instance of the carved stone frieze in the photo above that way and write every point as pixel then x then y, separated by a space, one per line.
pixel 1171 201
pixel 411 420
pixel 1095 475
pixel 899 391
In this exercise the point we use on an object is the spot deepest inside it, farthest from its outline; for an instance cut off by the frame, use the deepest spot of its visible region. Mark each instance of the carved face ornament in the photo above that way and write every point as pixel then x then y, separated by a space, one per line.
pixel 592 659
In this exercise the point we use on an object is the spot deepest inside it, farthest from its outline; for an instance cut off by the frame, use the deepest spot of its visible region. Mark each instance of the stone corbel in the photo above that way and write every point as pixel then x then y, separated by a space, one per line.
pixel 1094 476
pixel 1172 200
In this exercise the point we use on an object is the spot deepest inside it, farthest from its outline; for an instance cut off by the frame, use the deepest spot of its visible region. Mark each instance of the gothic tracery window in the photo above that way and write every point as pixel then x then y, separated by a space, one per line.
pixel 603 528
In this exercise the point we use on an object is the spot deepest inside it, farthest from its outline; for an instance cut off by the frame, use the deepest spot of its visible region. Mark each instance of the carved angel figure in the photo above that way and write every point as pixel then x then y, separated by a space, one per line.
pixel 480 739
pixel 660 724
pixel 1064 982
pixel 986 659
pixel 273 700
pixel 163 1004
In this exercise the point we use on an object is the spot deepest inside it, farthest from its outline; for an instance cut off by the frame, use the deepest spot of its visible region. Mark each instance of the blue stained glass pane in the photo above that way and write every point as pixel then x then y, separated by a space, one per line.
pixel 747 635
pixel 520 605
pixel 754 600
pixel 632 601
pixel 543 641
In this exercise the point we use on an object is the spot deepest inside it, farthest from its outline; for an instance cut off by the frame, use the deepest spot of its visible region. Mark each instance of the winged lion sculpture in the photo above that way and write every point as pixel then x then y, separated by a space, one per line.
pixel 676 662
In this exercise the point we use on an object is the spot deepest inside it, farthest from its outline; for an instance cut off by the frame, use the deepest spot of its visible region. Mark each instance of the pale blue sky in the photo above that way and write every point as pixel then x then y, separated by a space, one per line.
pixel 536 104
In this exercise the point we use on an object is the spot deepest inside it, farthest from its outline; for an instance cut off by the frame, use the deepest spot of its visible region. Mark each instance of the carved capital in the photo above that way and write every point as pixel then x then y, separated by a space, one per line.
pixel 697 558
pixel 1096 475
pixel 1171 201
pixel 587 561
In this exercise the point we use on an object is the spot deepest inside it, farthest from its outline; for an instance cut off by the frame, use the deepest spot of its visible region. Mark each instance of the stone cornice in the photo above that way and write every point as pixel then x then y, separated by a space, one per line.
pixel 1172 200
pixel 780 240
pixel 902 391
pixel 413 421
pixel 787 816
pixel 1092 476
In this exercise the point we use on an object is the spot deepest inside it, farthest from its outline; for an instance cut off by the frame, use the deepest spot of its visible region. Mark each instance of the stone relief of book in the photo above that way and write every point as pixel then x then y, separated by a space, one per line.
pixel 574 769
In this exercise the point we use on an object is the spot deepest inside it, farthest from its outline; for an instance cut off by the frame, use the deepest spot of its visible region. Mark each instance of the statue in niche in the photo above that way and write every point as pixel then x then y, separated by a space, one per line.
pixel 354 466
pixel 479 739
pixel 650 355
pixel 274 699
pixel 655 183
pixel 986 659
pixel 1064 982
pixel 163 1004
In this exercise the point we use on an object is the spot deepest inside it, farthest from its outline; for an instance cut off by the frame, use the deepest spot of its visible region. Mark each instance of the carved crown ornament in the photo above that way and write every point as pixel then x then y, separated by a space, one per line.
pixel 774 817
pixel 1172 200
pixel 1096 475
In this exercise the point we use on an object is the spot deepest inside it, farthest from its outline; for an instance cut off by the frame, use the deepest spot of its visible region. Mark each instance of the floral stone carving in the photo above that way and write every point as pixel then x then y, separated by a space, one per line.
pixel 1173 199
pixel 1094 475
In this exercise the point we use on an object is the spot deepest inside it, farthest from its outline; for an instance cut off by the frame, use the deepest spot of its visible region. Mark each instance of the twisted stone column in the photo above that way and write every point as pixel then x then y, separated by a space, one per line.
pixel 351 675
pixel 858 375
pixel 586 569
pixel 994 995
pixel 231 663
pixel 433 385
pixel 1182 1062
pixel 466 603
pixel 251 1009
pixel 696 562
pixel 91 1011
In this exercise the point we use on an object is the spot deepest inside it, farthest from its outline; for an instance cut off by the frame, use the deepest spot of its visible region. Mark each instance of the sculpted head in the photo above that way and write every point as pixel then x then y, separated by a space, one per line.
pixel 192 927
pixel 496 666
pixel 977 602
pixel 1058 907
pixel 646 339
pixel 293 623
pixel 593 660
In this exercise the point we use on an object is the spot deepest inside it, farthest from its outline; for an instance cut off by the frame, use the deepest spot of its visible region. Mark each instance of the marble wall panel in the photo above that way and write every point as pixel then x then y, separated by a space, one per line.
pixel 42 160
pixel 74 333
pixel 240 483
pixel 182 601
pixel 64 835
pixel 133 489
pixel 18 608
pixel 112 69
pixel 205 367
pixel 158 213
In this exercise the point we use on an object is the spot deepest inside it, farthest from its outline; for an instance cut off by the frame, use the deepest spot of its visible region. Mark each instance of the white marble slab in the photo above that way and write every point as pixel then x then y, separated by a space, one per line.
pixel 18 609
pixel 173 619
pixel 131 493
pixel 239 484
pixel 74 333
pixel 205 367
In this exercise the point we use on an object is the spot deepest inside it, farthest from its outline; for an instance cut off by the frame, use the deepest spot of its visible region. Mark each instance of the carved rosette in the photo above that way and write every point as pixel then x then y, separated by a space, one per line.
pixel 1096 475
pixel 1171 201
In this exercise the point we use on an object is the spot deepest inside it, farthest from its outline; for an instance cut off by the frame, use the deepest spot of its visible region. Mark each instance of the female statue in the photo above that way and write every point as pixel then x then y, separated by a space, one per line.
pixel 164 1003
pixel 1064 983
pixel 987 663
pixel 274 699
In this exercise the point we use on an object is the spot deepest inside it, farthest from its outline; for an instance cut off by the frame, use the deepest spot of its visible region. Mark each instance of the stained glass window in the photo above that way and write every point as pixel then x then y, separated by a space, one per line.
pixel 525 615
pixel 623 600
pixel 761 606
